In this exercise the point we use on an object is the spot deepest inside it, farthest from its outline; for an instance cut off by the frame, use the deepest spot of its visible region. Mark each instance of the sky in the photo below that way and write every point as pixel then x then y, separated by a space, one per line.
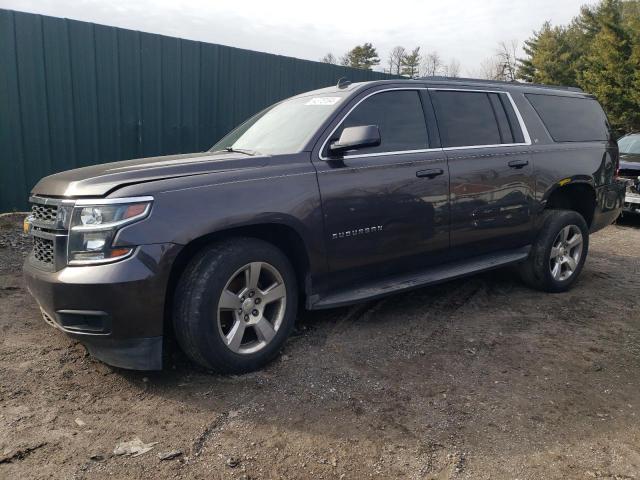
pixel 465 30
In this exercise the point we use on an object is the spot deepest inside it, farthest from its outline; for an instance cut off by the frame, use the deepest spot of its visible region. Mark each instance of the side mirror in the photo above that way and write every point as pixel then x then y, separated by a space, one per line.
pixel 353 138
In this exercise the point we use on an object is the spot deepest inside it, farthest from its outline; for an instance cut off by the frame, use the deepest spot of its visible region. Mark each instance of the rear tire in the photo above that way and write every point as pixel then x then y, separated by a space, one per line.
pixel 235 305
pixel 558 254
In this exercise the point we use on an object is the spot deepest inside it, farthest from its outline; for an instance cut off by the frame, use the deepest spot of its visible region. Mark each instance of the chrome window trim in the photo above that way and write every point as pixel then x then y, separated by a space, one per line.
pixel 523 127
pixel 380 154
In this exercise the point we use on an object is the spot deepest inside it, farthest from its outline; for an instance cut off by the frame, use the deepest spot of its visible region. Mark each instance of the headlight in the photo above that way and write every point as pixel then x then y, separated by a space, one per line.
pixel 94 225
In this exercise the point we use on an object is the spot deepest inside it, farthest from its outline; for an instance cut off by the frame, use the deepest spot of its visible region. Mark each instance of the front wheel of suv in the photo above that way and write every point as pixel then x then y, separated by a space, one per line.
pixel 235 305
pixel 558 254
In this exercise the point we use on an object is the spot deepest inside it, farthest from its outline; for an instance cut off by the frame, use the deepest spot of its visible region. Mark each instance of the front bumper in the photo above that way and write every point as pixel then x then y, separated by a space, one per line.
pixel 632 203
pixel 116 310
pixel 632 196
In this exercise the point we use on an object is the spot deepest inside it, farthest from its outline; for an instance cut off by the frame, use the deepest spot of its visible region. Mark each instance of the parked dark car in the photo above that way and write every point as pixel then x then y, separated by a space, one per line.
pixel 331 197
pixel 630 170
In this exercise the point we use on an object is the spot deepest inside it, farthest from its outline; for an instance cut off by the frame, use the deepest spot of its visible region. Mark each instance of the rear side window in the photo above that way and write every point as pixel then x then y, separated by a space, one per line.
pixel 468 119
pixel 399 116
pixel 571 119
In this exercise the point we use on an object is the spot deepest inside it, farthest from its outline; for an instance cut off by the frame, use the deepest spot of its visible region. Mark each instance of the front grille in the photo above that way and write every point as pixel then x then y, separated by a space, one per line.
pixel 44 213
pixel 48 221
pixel 43 250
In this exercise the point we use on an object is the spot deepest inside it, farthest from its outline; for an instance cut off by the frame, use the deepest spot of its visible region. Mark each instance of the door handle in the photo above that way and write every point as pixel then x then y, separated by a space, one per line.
pixel 518 163
pixel 429 173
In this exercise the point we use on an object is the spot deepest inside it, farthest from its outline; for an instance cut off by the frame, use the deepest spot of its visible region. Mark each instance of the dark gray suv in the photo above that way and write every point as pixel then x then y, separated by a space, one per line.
pixel 328 198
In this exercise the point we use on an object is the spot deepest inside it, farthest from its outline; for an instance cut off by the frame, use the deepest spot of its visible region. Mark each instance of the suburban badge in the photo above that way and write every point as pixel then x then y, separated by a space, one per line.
pixel 356 232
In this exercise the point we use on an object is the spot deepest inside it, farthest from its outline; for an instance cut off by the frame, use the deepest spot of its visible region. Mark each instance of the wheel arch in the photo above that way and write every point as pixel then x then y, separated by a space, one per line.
pixel 281 235
pixel 576 195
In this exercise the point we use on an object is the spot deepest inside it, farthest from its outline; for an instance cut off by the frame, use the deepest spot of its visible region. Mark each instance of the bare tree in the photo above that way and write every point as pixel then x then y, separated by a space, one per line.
pixel 507 60
pixel 453 69
pixel 432 64
pixel 490 69
pixel 503 65
pixel 395 59
pixel 329 58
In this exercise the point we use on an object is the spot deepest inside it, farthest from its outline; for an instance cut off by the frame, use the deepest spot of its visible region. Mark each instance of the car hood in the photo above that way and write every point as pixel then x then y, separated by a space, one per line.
pixel 100 180
pixel 630 161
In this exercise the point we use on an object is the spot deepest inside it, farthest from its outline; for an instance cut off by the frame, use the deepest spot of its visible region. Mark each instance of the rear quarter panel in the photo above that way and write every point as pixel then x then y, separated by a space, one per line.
pixel 557 164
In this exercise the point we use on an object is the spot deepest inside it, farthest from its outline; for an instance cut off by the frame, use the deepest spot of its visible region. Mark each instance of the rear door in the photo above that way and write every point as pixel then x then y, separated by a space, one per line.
pixel 386 207
pixel 491 175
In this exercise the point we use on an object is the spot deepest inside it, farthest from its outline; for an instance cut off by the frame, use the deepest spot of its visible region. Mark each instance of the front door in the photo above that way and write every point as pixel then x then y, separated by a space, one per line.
pixel 385 207
pixel 491 175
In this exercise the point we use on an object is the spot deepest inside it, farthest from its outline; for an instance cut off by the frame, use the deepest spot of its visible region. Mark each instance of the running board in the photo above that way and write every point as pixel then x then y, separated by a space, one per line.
pixel 431 276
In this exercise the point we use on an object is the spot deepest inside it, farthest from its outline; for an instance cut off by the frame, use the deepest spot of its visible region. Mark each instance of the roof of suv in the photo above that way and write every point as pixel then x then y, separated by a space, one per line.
pixel 459 82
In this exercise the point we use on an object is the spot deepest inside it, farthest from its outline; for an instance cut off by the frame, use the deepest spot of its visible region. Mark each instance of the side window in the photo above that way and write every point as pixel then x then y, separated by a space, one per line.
pixel 399 116
pixel 571 119
pixel 468 119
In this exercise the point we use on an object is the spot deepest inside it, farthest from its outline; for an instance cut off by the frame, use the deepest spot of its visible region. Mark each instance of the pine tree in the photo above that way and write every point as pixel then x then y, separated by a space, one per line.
pixel 609 67
pixel 411 63
pixel 631 23
pixel 598 51
pixel 550 57
pixel 361 56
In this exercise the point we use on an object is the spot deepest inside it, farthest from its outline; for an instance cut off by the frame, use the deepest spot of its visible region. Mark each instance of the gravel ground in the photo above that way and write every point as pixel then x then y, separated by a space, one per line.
pixel 477 378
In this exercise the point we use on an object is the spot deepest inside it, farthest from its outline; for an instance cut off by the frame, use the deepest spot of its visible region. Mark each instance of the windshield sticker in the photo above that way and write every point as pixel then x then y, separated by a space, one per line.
pixel 323 101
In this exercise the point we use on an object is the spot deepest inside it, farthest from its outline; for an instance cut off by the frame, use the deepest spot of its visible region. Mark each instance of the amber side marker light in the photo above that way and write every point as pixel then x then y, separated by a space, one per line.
pixel 119 252
pixel 136 209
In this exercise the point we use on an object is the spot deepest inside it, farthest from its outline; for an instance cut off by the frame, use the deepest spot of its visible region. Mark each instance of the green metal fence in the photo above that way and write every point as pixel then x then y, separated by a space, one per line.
pixel 75 93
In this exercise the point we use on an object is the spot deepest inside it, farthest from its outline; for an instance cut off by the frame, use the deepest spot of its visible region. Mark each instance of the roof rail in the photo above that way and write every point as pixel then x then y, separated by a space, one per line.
pixel 503 82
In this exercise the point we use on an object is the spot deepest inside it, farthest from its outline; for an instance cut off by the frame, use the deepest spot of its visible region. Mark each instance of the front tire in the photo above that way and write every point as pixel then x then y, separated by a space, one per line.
pixel 558 254
pixel 235 305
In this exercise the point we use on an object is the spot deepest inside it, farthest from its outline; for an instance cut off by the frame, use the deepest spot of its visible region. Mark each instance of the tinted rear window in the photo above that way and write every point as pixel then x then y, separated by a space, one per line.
pixel 475 118
pixel 571 119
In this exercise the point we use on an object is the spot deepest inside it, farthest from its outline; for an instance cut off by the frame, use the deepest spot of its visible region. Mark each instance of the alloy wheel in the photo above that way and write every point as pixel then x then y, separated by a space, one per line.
pixel 566 252
pixel 251 307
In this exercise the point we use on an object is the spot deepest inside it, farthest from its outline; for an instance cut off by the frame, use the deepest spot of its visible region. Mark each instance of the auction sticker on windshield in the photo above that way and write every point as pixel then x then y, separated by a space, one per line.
pixel 323 101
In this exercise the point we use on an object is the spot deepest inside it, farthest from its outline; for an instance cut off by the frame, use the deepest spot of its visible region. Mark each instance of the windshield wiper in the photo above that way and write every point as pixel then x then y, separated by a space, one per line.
pixel 241 150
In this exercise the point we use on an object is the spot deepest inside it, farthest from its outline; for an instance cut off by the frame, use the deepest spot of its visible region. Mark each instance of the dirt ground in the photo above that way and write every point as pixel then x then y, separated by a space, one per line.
pixel 477 378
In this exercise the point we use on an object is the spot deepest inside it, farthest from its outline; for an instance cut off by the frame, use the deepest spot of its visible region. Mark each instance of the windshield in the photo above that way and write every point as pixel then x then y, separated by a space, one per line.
pixel 283 128
pixel 629 144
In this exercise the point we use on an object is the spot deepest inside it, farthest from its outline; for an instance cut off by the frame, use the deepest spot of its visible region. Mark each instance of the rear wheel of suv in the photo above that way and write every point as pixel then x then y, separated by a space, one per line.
pixel 558 254
pixel 235 305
